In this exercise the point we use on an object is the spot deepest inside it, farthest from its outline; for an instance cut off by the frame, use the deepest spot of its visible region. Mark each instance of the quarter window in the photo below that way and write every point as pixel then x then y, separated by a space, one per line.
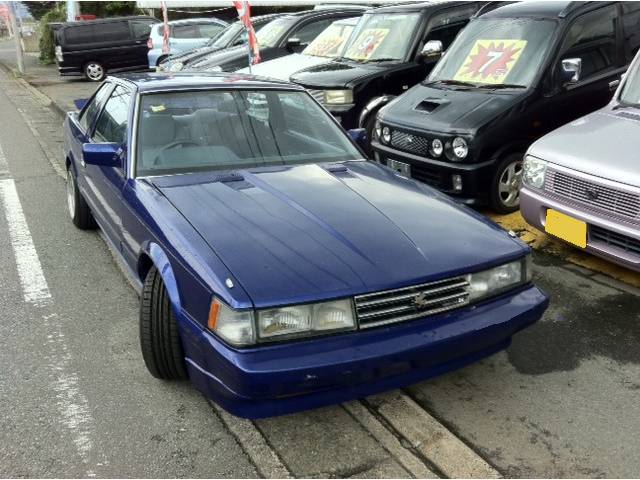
pixel 592 38
pixel 88 115
pixel 141 29
pixel 112 123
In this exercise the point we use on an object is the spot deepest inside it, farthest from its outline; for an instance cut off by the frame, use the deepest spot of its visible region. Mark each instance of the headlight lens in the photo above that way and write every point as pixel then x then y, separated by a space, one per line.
pixel 498 279
pixel 436 147
pixel 535 171
pixel 235 326
pixel 338 97
pixel 460 148
pixel 377 131
pixel 386 134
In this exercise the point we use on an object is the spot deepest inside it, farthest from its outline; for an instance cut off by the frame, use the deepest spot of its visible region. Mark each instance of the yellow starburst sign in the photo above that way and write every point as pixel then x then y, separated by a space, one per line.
pixel 490 61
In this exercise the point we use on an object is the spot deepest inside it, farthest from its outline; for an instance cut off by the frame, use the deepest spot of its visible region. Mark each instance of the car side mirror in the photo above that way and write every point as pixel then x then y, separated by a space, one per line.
pixel 432 50
pixel 359 135
pixel 101 154
pixel 80 103
pixel 571 69
pixel 293 43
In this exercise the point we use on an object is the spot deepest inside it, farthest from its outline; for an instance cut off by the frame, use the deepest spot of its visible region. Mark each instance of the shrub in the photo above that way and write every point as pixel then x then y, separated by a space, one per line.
pixel 46 43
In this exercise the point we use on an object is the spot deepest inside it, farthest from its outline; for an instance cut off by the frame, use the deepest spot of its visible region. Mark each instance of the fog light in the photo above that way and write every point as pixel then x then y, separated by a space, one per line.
pixel 456 180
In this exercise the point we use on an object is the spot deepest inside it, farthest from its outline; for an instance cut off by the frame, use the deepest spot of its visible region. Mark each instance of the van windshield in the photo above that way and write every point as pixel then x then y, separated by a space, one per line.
pixel 497 52
pixel 631 91
pixel 379 37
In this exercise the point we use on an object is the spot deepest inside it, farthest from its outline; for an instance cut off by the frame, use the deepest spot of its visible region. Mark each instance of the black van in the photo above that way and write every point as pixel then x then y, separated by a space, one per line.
pixel 94 47
pixel 512 75
pixel 388 52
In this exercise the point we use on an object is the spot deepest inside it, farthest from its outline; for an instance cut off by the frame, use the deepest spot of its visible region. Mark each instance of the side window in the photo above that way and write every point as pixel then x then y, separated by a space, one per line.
pixel 141 29
pixel 79 34
pixel 309 31
pixel 112 123
pixel 444 26
pixel 185 31
pixel 592 38
pixel 88 115
pixel 631 24
pixel 113 31
pixel 208 30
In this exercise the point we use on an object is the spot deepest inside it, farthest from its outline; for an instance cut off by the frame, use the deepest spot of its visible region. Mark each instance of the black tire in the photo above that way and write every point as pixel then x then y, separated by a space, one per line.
pixel 369 125
pixel 79 211
pixel 94 71
pixel 504 201
pixel 159 339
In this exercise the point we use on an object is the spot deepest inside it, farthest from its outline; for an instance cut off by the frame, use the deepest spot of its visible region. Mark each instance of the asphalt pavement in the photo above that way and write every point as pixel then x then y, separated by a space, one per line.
pixel 77 400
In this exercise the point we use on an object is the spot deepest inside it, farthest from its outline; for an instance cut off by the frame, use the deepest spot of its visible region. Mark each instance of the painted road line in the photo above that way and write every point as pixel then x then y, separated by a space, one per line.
pixel 251 440
pixel 390 442
pixel 441 448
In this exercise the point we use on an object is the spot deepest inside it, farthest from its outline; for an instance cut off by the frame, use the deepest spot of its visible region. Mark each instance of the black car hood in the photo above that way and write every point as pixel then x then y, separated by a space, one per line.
pixel 448 109
pixel 337 74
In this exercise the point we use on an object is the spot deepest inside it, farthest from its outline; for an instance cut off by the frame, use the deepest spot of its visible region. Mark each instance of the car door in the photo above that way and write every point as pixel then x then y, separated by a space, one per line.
pixel 106 182
pixel 595 38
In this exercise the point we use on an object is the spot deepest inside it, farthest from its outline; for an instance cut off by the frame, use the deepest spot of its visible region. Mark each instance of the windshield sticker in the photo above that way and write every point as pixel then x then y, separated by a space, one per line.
pixel 367 43
pixel 490 61
pixel 157 108
pixel 328 43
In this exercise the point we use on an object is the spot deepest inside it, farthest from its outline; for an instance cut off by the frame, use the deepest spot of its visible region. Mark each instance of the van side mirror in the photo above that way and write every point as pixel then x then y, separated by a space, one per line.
pixel 359 135
pixel 293 43
pixel 101 154
pixel 80 103
pixel 571 69
pixel 432 49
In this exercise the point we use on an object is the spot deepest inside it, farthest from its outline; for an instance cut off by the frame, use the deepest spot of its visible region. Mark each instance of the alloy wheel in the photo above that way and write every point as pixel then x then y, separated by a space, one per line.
pixel 95 71
pixel 71 194
pixel 509 184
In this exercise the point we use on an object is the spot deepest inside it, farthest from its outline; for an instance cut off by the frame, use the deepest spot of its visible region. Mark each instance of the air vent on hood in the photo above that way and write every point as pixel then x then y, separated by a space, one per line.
pixel 428 105
pixel 630 115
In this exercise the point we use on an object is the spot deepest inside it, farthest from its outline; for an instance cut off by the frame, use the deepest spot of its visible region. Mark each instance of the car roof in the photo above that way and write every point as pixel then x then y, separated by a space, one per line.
pixel 541 9
pixel 188 21
pixel 107 20
pixel 413 6
pixel 167 82
pixel 326 11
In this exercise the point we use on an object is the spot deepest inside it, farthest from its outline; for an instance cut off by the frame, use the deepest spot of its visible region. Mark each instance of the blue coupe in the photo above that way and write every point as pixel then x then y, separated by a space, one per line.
pixel 279 270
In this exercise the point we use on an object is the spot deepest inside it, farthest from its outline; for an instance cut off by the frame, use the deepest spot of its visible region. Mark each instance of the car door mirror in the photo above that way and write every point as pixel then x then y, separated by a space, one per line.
pixel 80 103
pixel 432 50
pixel 571 69
pixel 101 154
pixel 359 135
pixel 293 43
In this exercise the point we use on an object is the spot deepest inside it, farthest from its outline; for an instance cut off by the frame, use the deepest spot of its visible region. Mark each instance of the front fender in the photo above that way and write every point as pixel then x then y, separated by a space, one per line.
pixel 162 264
pixel 372 107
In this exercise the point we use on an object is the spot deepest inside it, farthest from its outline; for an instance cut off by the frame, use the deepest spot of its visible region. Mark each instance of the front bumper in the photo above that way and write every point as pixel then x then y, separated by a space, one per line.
pixel 289 377
pixel 476 177
pixel 615 240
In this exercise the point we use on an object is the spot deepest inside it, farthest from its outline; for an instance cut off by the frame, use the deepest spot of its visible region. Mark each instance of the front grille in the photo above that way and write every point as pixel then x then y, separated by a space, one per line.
pixel 317 94
pixel 392 306
pixel 409 142
pixel 595 195
pixel 616 240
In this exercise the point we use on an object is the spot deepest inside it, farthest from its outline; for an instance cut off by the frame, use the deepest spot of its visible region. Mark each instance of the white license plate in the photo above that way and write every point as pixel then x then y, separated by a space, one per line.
pixel 402 168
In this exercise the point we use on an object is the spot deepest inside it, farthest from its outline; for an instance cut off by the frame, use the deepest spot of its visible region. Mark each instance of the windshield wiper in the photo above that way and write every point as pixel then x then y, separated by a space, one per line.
pixel 458 83
pixel 382 60
pixel 498 86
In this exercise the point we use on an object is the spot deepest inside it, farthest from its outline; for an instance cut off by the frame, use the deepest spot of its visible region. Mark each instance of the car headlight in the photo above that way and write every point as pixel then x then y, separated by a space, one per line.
pixel 377 130
pixel 460 147
pixel 338 97
pixel 437 147
pixel 234 326
pixel 176 67
pixel 534 171
pixel 499 279
pixel 305 320
pixel 386 134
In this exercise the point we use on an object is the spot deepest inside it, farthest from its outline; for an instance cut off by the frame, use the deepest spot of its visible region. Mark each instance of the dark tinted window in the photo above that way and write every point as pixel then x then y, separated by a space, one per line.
pixel 88 115
pixel 140 29
pixel 113 31
pixel 185 31
pixel 592 38
pixel 444 26
pixel 112 123
pixel 309 31
pixel 79 34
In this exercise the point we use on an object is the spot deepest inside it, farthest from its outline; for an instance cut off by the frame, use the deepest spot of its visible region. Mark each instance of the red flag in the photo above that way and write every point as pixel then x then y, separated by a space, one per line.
pixel 244 14
pixel 165 31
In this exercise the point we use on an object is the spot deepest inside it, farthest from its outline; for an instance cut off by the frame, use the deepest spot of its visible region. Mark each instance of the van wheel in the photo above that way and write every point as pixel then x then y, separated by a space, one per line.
pixel 94 71
pixel 79 211
pixel 505 186
pixel 159 340
pixel 369 126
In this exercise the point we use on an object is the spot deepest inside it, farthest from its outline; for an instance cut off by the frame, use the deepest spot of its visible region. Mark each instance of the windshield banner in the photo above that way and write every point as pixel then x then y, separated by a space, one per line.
pixel 367 43
pixel 328 43
pixel 490 61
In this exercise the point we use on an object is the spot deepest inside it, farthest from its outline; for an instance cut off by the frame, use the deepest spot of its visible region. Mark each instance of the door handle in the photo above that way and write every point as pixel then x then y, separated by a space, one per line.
pixel 614 84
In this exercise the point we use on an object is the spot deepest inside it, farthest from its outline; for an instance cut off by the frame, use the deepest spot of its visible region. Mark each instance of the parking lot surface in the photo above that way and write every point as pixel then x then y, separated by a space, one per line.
pixel 561 401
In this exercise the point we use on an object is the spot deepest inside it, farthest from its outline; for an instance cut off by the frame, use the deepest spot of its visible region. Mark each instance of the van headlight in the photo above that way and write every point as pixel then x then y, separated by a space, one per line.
pixel 338 97
pixel 499 279
pixel 534 171
pixel 460 148
pixel 377 130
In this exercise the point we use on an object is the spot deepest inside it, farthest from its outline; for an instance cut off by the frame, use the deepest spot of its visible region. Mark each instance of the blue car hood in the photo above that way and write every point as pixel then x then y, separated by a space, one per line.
pixel 310 232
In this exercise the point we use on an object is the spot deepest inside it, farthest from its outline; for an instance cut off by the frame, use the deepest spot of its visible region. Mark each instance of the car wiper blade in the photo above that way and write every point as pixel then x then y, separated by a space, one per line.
pixel 498 86
pixel 457 83
pixel 383 60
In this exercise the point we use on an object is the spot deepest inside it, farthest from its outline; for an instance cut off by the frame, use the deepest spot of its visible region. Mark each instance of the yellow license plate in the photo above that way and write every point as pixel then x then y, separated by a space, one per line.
pixel 567 228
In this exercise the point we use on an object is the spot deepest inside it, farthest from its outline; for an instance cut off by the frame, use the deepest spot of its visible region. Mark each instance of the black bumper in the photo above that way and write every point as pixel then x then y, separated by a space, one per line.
pixel 476 177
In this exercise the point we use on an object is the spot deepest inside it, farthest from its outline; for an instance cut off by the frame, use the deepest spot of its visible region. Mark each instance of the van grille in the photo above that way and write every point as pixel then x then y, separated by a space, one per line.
pixel 408 142
pixel 616 240
pixel 391 306
pixel 607 198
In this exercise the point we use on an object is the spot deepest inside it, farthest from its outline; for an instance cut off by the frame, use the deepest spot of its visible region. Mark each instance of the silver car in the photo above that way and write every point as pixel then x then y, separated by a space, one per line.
pixel 581 182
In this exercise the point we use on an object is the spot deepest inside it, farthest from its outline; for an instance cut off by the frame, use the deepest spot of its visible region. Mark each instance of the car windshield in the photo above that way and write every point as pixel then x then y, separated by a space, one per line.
pixel 380 37
pixel 331 41
pixel 269 35
pixel 182 132
pixel 225 36
pixel 501 51
pixel 631 91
